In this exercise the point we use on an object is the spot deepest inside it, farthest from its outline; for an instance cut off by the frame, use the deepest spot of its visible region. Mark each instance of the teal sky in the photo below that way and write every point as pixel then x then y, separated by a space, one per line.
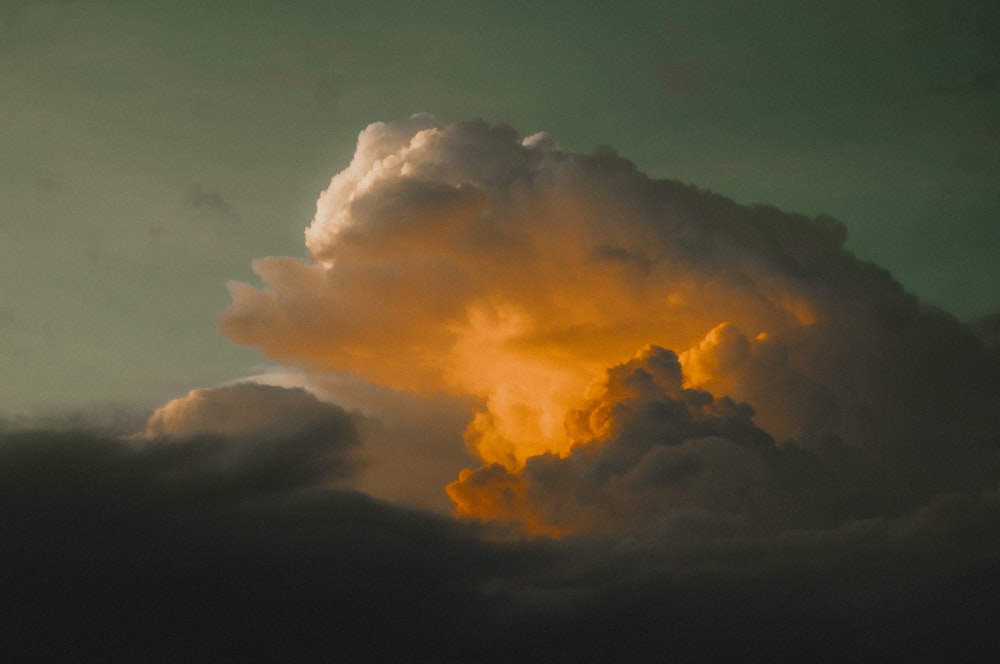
pixel 150 151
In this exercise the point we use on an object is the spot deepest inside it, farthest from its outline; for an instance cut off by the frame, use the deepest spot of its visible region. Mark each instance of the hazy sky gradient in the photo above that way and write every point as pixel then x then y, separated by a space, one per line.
pixel 148 151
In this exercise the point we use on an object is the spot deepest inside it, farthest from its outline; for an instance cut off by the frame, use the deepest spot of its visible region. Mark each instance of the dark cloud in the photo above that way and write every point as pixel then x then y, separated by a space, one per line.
pixel 172 553
pixel 278 436
pixel 163 553
pixel 987 329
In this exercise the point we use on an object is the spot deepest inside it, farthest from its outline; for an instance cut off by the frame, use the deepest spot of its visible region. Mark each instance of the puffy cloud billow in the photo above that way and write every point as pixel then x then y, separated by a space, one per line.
pixel 701 431
pixel 466 259
pixel 280 436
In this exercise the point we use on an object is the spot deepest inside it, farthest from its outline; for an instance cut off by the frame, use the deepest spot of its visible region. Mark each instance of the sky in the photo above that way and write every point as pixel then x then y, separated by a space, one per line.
pixel 499 331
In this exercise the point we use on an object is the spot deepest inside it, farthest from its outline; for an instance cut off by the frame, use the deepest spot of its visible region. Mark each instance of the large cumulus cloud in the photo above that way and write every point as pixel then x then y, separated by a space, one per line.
pixel 464 258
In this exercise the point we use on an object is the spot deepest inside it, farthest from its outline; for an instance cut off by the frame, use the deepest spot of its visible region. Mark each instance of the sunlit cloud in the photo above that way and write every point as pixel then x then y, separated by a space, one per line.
pixel 463 258
pixel 531 404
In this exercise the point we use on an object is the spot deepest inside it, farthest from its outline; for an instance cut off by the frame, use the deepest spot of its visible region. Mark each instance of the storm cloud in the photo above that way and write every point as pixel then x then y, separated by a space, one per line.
pixel 161 553
pixel 701 431
pixel 467 259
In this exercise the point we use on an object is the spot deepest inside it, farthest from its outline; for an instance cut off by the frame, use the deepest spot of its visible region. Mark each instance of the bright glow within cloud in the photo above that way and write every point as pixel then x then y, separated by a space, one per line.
pixel 465 259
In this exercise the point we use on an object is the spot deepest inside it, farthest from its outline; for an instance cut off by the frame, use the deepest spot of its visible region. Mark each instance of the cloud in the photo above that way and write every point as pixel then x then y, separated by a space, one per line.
pixel 412 443
pixel 647 451
pixel 277 436
pixel 464 258
pixel 158 552
pixel 644 447
pixel 702 432
pixel 165 552
pixel 987 329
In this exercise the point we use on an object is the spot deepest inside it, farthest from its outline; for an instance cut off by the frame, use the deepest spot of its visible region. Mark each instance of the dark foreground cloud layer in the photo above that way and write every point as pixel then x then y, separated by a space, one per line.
pixel 163 553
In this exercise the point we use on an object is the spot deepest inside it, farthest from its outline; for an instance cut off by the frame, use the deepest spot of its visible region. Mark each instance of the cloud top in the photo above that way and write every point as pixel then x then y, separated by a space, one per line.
pixel 280 436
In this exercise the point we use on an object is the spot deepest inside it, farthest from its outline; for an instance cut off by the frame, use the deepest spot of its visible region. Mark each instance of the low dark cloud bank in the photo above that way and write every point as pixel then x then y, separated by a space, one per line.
pixel 166 552
pixel 706 432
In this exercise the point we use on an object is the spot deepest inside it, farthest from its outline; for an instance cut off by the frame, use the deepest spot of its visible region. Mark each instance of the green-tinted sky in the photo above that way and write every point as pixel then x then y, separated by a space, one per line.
pixel 149 151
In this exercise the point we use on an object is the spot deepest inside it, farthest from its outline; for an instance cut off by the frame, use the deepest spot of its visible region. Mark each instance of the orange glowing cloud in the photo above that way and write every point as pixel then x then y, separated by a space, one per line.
pixel 464 259
pixel 643 446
